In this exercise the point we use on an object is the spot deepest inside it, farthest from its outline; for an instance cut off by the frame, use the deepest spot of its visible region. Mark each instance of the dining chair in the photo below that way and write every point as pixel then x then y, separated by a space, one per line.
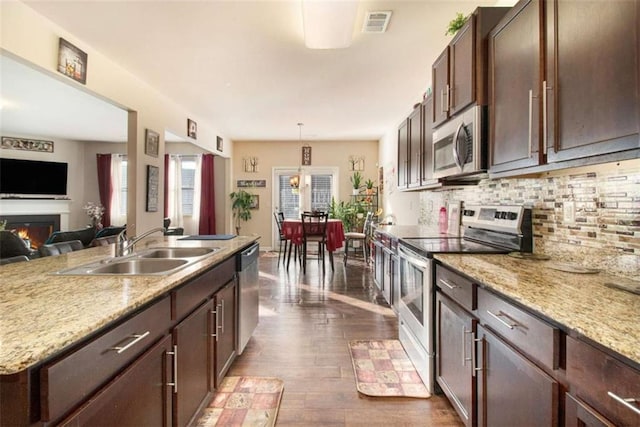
pixel 362 237
pixel 314 230
pixel 279 217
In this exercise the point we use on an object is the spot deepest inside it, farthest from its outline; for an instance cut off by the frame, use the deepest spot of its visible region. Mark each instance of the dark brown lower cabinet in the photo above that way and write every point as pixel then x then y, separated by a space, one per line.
pixel 139 396
pixel 455 330
pixel 579 414
pixel 225 340
pixel 193 344
pixel 512 391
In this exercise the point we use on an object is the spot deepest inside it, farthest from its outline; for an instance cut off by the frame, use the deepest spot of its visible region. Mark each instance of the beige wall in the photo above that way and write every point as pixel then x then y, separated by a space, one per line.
pixel 287 154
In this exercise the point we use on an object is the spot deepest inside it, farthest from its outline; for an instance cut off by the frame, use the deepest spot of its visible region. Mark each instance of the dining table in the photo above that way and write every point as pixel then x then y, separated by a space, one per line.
pixel 292 230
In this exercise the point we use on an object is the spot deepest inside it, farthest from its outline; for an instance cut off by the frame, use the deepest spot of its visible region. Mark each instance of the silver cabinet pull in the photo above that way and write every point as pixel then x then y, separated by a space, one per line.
pixel 544 117
pixel 447 284
pixel 215 324
pixel 222 315
pixel 530 122
pixel 474 355
pixel 626 402
pixel 136 338
pixel 464 346
pixel 174 353
pixel 448 104
pixel 498 318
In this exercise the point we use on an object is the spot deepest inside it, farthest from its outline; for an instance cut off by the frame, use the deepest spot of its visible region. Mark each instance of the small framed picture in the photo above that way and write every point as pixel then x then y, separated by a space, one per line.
pixel 219 145
pixel 152 142
pixel 306 156
pixel 153 178
pixel 255 202
pixel 72 62
pixel 192 129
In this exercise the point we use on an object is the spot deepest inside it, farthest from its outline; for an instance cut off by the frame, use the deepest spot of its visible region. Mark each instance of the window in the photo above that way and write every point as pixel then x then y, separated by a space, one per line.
pixel 123 188
pixel 289 202
pixel 188 176
pixel 321 192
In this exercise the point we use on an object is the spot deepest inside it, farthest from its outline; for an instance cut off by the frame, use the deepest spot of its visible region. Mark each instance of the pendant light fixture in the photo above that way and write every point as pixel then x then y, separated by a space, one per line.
pixel 294 181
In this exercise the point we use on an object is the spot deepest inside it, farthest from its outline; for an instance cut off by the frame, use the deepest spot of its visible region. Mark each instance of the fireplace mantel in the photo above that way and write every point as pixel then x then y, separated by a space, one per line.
pixel 38 207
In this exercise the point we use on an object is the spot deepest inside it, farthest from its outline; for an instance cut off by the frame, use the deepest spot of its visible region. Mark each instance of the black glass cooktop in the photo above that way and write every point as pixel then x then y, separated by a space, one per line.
pixel 452 245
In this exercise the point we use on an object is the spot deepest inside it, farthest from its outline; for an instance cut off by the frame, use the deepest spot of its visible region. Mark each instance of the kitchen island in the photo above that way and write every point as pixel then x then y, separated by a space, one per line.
pixel 44 317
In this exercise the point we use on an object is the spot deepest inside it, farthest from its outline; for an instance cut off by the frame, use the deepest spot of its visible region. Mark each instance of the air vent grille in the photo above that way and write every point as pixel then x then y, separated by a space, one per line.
pixel 376 22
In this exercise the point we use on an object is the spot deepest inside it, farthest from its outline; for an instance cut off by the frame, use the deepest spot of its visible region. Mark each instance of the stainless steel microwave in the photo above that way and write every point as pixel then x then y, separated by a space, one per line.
pixel 459 145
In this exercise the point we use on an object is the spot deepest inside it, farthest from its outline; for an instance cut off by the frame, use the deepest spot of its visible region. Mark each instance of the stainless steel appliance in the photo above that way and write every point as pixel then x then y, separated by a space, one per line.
pixel 459 146
pixel 248 294
pixel 487 229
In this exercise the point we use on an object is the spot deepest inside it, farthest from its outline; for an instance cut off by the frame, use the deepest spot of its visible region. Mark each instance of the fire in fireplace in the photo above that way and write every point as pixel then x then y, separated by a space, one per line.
pixel 34 229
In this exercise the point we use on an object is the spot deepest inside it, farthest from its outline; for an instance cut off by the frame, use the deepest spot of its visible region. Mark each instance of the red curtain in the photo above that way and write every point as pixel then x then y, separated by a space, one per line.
pixel 207 197
pixel 166 185
pixel 104 186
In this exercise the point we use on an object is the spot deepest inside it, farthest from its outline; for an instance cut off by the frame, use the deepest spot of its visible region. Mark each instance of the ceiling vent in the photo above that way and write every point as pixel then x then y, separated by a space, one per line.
pixel 376 22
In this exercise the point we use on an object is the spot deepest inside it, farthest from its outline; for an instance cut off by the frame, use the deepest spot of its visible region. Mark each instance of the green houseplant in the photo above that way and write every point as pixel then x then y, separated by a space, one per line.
pixel 456 24
pixel 241 203
pixel 356 180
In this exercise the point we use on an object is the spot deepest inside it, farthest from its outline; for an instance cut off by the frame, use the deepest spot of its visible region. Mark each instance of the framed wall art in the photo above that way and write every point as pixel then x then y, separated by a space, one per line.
pixel 153 177
pixel 27 144
pixel 151 143
pixel 306 155
pixel 192 129
pixel 219 145
pixel 72 62
pixel 255 202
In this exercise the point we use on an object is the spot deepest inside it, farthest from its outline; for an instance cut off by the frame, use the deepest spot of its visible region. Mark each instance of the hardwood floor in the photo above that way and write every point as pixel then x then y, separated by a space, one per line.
pixel 305 325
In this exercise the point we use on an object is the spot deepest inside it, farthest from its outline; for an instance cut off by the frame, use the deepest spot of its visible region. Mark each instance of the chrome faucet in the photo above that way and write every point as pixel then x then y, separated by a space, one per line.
pixel 123 245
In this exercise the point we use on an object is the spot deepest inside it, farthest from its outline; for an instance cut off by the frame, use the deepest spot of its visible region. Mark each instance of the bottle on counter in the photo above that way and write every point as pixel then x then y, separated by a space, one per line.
pixel 443 220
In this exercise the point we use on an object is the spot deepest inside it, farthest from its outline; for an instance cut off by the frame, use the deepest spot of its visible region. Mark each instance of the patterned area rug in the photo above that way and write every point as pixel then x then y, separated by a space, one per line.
pixel 383 369
pixel 244 401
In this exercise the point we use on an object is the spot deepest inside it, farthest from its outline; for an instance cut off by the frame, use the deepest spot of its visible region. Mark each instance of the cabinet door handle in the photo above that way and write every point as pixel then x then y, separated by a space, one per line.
pixel 626 402
pixel 544 117
pixel 136 339
pixel 447 284
pixel 443 108
pixel 447 105
pixel 498 318
pixel 530 123
pixel 222 315
pixel 464 347
pixel 174 353
pixel 215 324
pixel 474 355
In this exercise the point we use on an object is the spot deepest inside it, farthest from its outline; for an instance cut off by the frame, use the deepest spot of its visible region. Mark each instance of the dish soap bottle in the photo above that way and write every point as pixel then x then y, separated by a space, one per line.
pixel 443 220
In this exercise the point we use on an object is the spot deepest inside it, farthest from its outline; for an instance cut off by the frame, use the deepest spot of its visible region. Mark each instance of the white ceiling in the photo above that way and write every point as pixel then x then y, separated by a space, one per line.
pixel 243 66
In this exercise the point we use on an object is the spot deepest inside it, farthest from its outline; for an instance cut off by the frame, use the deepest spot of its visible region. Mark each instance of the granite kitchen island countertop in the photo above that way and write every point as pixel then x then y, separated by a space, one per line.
pixel 579 303
pixel 42 313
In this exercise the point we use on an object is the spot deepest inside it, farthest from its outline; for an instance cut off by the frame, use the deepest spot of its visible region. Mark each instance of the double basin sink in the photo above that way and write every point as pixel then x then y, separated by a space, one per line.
pixel 154 261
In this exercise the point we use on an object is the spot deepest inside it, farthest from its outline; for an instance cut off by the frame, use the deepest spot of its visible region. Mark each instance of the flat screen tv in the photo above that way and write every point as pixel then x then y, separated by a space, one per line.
pixel 32 177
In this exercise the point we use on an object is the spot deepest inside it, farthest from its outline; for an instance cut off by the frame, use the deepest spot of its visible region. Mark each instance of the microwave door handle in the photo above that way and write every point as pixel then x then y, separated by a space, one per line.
pixel 456 155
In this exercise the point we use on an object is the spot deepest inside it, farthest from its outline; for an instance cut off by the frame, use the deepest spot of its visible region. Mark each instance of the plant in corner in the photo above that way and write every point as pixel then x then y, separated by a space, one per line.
pixel 241 202
pixel 356 180
pixel 456 24
pixel 369 184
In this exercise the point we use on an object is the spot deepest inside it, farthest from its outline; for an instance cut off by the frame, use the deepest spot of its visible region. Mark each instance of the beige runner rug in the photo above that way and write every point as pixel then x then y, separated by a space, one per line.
pixel 383 369
pixel 244 401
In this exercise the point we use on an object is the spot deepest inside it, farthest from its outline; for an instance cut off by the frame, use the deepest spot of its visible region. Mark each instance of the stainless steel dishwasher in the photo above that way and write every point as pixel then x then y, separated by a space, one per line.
pixel 248 294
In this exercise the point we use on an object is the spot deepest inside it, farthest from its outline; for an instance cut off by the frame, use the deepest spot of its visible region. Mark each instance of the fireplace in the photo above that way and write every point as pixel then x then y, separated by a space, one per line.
pixel 34 229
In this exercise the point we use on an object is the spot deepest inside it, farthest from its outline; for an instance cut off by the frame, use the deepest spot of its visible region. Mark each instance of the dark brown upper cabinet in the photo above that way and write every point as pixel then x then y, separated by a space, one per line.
pixel 459 73
pixel 564 85
pixel 403 154
pixel 415 146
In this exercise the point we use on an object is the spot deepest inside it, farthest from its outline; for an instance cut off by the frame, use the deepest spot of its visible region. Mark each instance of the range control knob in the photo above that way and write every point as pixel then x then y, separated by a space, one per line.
pixel 468 212
pixel 497 215
pixel 513 216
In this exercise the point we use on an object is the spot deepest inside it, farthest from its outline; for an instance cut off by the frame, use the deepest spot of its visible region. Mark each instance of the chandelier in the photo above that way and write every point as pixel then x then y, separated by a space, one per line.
pixel 294 181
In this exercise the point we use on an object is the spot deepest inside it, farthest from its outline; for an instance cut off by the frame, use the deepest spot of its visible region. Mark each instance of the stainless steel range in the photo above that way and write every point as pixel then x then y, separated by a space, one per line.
pixel 486 230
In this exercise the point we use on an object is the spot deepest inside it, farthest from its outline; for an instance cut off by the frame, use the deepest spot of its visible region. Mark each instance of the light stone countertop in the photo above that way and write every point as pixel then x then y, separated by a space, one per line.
pixel 42 313
pixel 578 302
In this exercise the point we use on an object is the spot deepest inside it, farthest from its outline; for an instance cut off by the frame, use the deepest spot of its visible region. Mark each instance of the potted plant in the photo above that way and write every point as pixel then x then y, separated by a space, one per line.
pixel 241 202
pixel 369 184
pixel 356 180
pixel 456 24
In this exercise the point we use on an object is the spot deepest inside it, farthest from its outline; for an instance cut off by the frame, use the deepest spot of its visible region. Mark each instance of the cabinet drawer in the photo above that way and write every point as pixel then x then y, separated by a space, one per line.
pixel 595 377
pixel 460 289
pixel 536 338
pixel 68 381
pixel 189 296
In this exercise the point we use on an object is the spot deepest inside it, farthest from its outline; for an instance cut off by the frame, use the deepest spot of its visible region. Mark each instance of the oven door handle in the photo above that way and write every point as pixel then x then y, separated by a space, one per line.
pixel 413 258
pixel 456 154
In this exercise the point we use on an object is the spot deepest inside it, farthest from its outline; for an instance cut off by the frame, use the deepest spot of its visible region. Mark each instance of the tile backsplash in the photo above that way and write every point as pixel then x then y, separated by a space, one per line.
pixel 596 207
